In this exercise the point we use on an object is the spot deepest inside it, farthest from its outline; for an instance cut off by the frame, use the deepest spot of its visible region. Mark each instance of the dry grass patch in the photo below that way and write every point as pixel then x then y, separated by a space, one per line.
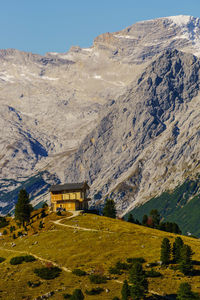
pixel 96 252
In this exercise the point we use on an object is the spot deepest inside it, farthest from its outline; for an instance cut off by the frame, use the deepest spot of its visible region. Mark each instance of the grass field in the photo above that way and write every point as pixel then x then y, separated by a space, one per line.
pixel 88 250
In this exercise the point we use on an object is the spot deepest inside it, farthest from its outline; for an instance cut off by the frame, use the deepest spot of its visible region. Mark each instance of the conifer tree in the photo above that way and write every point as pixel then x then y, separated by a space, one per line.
pixel 139 282
pixel 177 245
pixel 125 290
pixel 185 262
pixel 185 292
pixel 77 295
pixel 109 209
pixel 144 220
pixel 23 208
pixel 165 251
pixel 131 219
pixel 155 217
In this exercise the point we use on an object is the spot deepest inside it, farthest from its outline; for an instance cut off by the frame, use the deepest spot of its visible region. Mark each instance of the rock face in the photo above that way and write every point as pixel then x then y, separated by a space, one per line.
pixel 120 114
pixel 148 140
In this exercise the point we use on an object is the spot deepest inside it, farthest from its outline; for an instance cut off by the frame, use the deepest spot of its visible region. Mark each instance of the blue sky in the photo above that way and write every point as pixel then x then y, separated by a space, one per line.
pixel 41 26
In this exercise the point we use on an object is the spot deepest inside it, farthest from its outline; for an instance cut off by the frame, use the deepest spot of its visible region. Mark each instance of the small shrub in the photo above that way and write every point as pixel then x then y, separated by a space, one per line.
pixel 96 278
pixel 2 259
pixel 33 284
pixel 77 295
pixel 41 225
pixel 3 222
pixel 29 258
pixel 133 260
pixel 94 291
pixel 12 228
pixel 48 273
pixel 20 259
pixel 44 205
pixel 114 270
pixel 122 266
pixel 66 296
pixel 153 273
pixel 17 260
pixel 5 232
pixel 59 213
pixel 19 233
pixel 14 236
pixel 43 214
pixel 79 272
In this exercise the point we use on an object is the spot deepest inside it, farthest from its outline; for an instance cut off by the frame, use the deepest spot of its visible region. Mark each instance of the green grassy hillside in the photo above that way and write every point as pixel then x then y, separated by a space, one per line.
pixel 91 251
pixel 181 206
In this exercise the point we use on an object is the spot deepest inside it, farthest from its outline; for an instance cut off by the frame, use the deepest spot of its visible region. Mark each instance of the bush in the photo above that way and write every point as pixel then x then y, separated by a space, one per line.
pixel 59 213
pixel 48 273
pixel 79 272
pixel 122 266
pixel 133 260
pixel 29 258
pixel 43 214
pixel 3 222
pixel 20 259
pixel 41 225
pixel 153 273
pixel 94 291
pixel 66 296
pixel 19 233
pixel 33 284
pixel 96 278
pixel 14 236
pixel 114 270
pixel 77 295
pixel 12 228
pixel 17 260
pixel 2 259
pixel 5 232
pixel 44 205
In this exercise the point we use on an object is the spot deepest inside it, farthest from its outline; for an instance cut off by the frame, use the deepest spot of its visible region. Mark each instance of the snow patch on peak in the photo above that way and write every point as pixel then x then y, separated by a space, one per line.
pixel 181 20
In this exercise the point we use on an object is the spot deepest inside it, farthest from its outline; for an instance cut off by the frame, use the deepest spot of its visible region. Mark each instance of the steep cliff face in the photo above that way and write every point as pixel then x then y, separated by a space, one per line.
pixel 148 140
pixel 116 105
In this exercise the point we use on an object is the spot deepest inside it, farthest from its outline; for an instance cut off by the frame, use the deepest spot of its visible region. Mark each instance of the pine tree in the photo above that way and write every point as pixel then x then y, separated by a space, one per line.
pixel 155 217
pixel 77 295
pixel 144 220
pixel 23 208
pixel 165 251
pixel 139 282
pixel 177 245
pixel 131 219
pixel 109 209
pixel 185 261
pixel 185 292
pixel 125 290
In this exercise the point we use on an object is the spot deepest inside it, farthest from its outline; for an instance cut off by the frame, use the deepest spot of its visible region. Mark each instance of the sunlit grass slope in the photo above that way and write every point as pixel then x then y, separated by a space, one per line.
pixel 92 251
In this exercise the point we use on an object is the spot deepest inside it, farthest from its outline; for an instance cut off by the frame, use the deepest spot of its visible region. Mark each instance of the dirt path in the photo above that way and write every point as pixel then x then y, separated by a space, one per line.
pixel 75 214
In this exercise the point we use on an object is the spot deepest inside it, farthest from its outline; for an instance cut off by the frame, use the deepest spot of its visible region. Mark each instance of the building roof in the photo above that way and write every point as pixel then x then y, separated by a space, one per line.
pixel 69 187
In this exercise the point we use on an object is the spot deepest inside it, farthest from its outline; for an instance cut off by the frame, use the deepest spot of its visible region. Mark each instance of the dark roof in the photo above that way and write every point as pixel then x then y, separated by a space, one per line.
pixel 69 186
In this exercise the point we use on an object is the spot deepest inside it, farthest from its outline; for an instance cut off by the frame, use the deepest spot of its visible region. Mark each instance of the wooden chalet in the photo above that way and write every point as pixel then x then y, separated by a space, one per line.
pixel 69 196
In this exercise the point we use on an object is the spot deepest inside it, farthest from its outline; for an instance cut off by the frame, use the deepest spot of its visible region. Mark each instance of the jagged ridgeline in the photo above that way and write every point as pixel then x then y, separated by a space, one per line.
pixel 180 205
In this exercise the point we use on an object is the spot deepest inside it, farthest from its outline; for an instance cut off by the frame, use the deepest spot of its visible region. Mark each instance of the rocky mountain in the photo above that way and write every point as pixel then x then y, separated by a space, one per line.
pixel 148 139
pixel 122 114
